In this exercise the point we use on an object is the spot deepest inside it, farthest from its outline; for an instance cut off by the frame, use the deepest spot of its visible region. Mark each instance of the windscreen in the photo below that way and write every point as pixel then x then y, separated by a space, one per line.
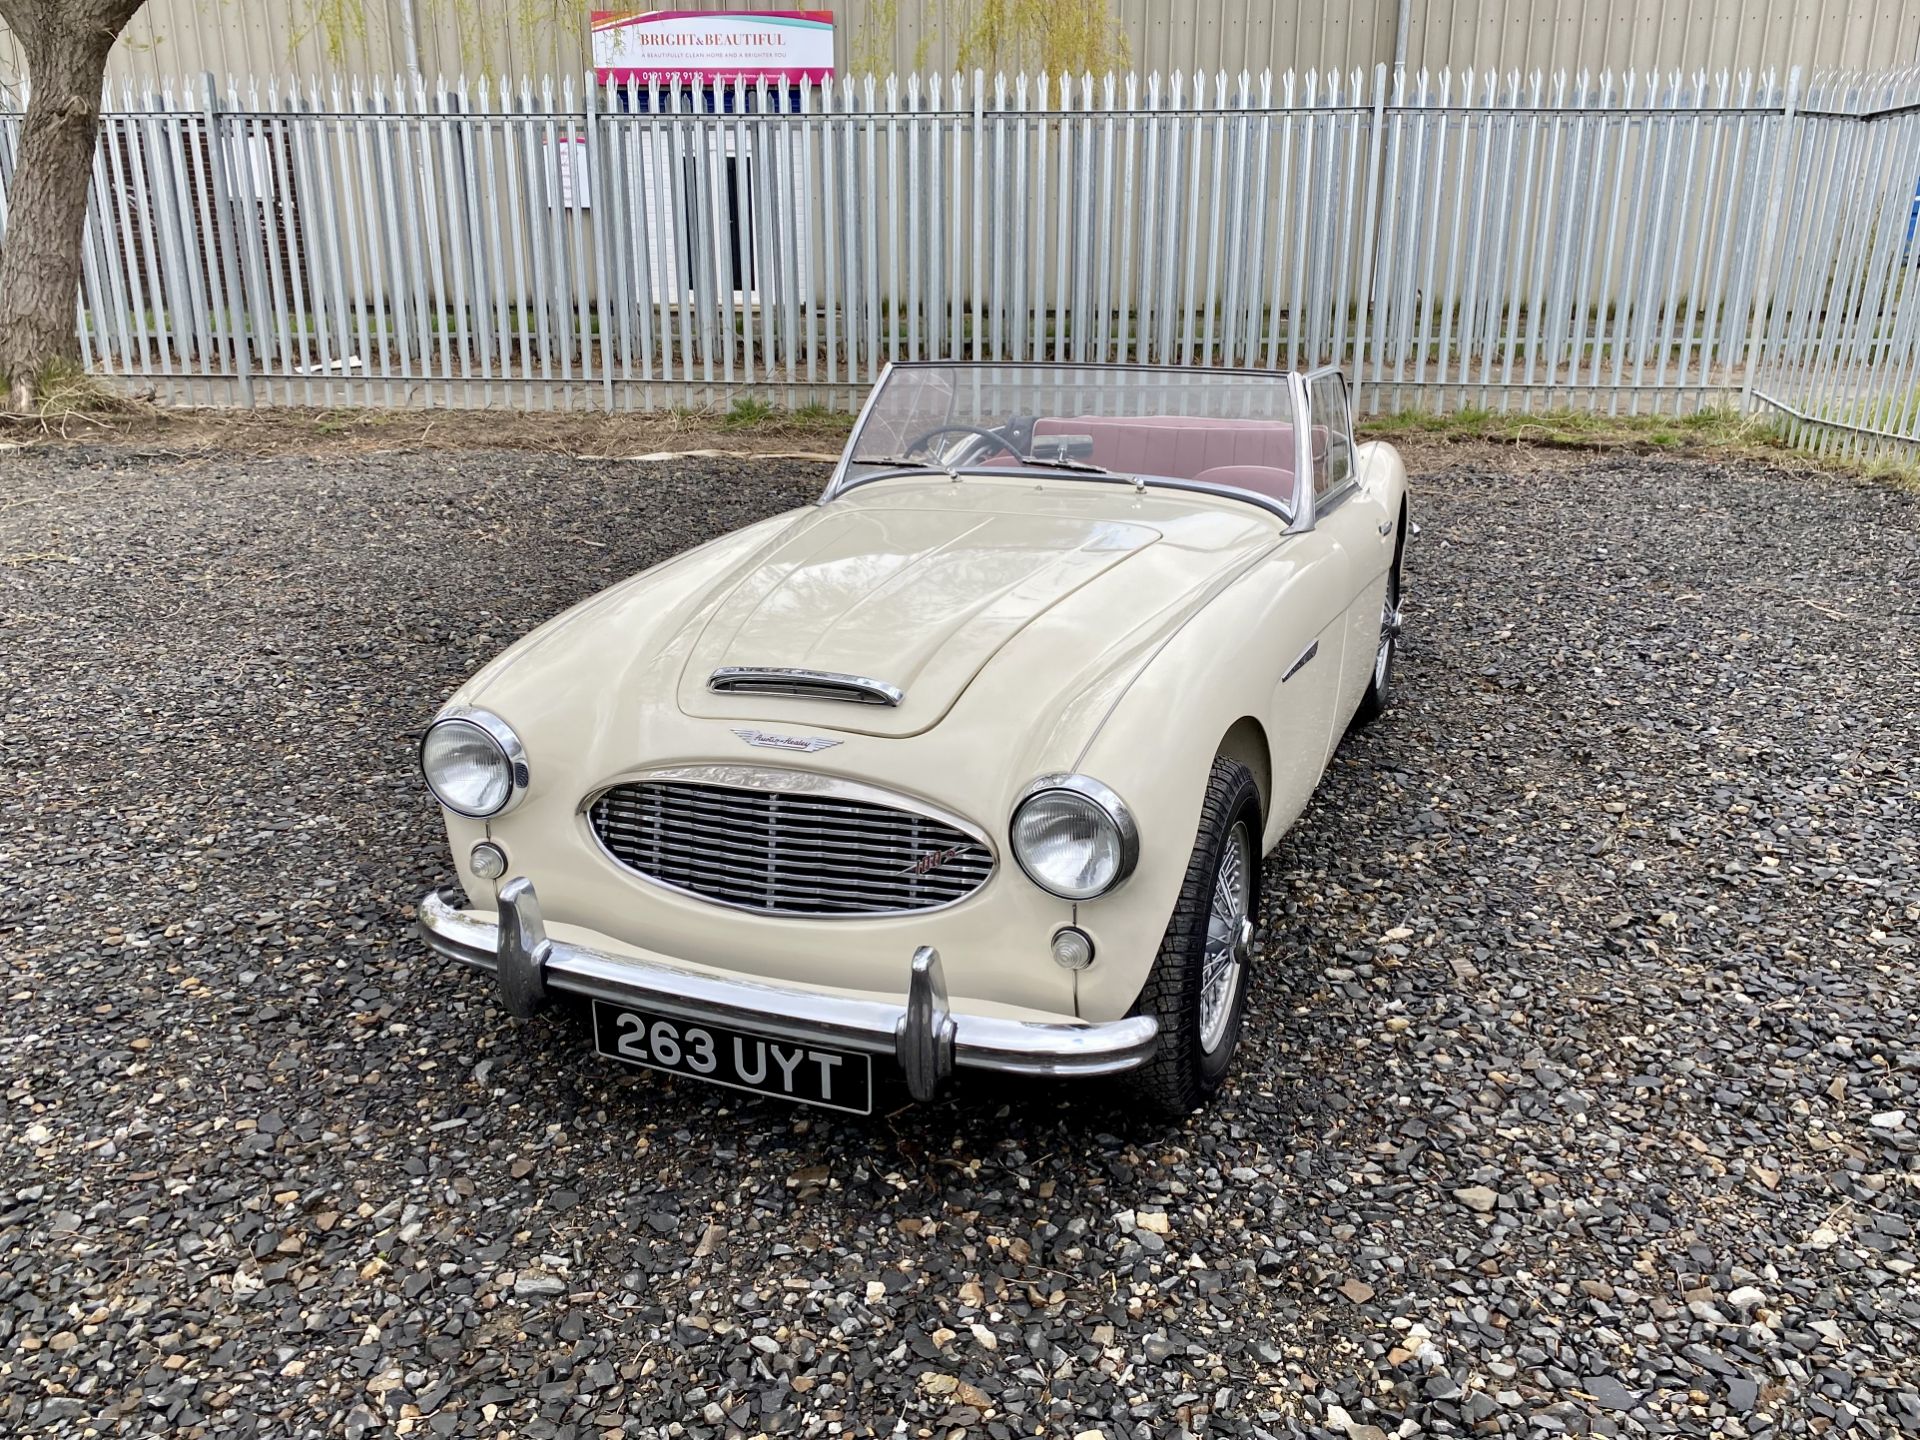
pixel 1226 429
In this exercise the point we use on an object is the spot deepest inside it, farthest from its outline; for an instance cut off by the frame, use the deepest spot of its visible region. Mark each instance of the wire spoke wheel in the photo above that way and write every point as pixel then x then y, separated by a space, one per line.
pixel 1229 933
pixel 1197 989
pixel 1389 630
pixel 1373 704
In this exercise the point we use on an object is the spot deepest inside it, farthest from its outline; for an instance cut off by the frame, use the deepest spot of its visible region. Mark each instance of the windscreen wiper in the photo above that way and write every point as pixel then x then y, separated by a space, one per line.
pixel 1038 462
pixel 1065 464
pixel 907 462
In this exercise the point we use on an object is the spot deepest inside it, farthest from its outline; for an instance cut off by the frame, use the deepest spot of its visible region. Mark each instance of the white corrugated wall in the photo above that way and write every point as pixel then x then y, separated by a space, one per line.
pixel 255 38
pixel 1619 35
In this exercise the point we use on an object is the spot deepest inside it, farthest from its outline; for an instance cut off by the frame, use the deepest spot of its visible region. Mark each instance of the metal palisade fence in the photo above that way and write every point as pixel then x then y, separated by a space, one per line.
pixel 1639 243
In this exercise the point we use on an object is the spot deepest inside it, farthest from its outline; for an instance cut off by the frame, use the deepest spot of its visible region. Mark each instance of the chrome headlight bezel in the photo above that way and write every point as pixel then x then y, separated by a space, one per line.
pixel 1099 799
pixel 512 753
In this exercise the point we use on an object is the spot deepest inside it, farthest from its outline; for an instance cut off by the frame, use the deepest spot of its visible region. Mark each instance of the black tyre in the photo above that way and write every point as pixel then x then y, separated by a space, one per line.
pixel 1380 688
pixel 1198 986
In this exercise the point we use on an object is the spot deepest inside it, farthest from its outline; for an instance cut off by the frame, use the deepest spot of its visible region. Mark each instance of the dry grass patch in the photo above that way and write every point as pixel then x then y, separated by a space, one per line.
pixel 80 407
pixel 1706 432
pixel 96 412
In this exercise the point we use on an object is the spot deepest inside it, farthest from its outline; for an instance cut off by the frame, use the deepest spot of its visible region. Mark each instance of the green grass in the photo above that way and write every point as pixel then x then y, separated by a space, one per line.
pixel 1898 413
pixel 749 412
pixel 1712 430
pixel 64 391
pixel 760 416
pixel 1578 428
pixel 826 419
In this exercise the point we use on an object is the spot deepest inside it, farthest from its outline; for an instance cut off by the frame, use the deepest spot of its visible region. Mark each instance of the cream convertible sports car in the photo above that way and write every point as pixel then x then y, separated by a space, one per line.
pixel 971 764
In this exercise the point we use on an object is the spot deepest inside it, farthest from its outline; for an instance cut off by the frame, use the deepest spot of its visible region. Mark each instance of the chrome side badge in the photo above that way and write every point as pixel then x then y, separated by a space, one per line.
pixel 801 744
pixel 1305 655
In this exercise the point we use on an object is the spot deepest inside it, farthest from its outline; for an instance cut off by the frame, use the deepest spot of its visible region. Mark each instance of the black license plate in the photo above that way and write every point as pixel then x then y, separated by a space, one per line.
pixel 813 1074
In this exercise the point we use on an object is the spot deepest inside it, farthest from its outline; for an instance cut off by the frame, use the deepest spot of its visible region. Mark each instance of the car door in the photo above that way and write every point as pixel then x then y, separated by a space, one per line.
pixel 1308 624
pixel 1353 515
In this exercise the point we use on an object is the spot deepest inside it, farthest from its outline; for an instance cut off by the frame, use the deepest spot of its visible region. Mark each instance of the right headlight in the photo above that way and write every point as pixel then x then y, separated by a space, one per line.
pixel 474 763
pixel 1073 836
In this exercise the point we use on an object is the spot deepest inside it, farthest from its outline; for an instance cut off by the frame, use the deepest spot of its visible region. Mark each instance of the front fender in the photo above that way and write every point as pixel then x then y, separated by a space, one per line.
pixel 1157 747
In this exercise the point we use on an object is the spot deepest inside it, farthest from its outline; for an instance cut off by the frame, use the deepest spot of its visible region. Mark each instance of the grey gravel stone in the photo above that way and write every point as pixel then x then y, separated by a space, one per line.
pixel 1607 1390
pixel 1635 856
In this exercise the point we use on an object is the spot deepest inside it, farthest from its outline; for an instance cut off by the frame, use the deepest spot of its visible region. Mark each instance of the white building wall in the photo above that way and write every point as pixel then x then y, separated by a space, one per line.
pixel 170 39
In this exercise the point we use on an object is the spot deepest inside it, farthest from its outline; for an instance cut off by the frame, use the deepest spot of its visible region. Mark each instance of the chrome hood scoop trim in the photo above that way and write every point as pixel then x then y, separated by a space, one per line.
pixel 803 684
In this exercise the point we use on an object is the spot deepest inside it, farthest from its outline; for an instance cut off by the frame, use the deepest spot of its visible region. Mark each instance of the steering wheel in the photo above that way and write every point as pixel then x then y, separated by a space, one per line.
pixel 1005 444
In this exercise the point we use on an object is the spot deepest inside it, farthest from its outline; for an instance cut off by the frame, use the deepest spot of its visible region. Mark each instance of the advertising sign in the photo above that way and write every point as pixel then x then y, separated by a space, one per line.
pixel 701 46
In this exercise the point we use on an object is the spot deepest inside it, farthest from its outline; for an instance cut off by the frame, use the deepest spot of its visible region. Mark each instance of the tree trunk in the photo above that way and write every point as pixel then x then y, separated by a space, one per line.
pixel 66 44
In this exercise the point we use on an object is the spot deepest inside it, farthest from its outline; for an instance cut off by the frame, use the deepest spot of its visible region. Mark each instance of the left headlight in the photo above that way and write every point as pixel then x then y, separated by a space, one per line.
pixel 1073 836
pixel 474 763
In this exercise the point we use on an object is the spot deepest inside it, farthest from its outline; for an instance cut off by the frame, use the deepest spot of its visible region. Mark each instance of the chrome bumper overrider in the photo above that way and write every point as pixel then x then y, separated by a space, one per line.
pixel 922 1032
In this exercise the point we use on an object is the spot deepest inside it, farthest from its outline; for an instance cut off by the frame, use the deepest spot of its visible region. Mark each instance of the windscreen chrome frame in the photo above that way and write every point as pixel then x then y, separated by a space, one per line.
pixel 1303 517
pixel 1298 521
pixel 1310 506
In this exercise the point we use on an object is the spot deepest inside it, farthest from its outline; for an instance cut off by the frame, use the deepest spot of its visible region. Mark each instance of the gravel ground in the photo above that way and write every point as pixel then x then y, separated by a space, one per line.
pixel 1582 1090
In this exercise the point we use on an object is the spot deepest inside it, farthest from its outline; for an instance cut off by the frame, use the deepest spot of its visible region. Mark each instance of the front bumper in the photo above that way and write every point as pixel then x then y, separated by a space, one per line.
pixel 922 1032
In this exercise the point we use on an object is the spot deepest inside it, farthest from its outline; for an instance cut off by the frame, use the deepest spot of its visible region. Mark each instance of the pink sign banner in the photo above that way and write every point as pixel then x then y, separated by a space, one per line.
pixel 708 45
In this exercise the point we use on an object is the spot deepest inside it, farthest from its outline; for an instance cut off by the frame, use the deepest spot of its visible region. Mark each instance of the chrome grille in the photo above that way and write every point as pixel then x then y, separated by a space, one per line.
pixel 788 852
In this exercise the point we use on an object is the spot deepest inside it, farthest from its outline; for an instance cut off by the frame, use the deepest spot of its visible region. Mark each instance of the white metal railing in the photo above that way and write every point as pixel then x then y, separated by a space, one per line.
pixel 1638 243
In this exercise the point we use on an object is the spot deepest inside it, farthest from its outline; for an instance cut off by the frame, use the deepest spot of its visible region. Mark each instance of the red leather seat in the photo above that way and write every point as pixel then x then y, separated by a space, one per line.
pixel 1181 447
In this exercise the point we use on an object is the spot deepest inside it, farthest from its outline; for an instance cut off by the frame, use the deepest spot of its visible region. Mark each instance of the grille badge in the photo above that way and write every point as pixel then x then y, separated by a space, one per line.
pixel 931 860
pixel 800 744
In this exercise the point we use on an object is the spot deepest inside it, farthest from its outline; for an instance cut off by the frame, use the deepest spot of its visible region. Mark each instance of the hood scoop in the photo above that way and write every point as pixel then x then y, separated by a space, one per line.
pixel 803 684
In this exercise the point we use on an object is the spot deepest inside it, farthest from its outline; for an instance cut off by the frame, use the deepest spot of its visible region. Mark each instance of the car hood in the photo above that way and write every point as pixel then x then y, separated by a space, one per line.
pixel 918 597
pixel 1024 608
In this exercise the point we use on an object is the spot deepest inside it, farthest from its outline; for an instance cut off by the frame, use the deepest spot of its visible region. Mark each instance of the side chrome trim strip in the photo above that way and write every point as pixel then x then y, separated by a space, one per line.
pixel 1305 655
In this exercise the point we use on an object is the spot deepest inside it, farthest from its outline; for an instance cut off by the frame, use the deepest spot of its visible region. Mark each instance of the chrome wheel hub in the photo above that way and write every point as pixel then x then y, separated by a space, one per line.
pixel 1229 938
